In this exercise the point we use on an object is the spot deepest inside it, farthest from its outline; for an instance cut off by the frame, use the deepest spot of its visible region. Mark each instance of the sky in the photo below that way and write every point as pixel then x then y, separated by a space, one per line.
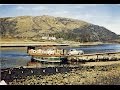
pixel 106 15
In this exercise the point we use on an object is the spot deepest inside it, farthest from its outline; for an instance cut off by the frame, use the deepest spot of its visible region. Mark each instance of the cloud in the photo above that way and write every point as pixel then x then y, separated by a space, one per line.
pixel 87 5
pixel 31 7
pixel 39 8
pixel 20 8
pixel 114 27
pixel 59 13
pixel 117 4
pixel 1 4
pixel 99 14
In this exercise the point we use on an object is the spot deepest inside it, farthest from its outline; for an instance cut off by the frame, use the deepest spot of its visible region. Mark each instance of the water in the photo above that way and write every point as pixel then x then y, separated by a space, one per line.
pixel 17 56
pixel 100 48
pixel 13 57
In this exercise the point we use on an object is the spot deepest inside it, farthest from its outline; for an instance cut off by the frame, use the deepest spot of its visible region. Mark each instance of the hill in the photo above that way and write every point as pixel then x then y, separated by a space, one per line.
pixel 35 27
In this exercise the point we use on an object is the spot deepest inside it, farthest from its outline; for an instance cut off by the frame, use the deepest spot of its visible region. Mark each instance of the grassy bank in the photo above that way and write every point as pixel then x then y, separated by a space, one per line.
pixel 90 75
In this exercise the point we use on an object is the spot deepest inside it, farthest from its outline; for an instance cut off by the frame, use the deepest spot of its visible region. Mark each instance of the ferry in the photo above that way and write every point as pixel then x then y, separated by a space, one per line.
pixel 48 55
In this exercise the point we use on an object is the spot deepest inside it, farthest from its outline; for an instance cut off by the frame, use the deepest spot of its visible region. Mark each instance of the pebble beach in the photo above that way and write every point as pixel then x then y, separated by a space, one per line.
pixel 87 75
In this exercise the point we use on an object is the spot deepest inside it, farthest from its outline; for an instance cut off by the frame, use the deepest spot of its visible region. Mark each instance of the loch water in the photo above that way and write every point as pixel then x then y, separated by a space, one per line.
pixel 11 57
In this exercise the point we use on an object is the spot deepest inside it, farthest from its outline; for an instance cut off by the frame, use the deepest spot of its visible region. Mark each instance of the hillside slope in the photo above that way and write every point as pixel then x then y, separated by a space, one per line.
pixel 34 27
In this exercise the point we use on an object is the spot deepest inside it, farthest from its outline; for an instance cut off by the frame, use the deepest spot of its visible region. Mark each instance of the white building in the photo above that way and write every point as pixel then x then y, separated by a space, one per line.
pixel 45 38
pixel 52 38
pixel 48 38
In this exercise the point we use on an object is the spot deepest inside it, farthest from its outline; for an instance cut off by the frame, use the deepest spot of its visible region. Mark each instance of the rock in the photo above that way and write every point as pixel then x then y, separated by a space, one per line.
pixel 3 82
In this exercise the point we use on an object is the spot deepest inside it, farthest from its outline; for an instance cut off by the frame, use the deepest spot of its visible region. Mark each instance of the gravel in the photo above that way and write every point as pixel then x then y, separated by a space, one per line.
pixel 102 75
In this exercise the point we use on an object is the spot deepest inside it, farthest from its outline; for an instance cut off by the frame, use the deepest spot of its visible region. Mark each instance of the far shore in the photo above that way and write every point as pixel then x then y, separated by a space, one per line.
pixel 67 43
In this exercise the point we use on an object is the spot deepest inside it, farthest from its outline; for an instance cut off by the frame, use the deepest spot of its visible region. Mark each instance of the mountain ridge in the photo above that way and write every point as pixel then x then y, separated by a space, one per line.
pixel 34 27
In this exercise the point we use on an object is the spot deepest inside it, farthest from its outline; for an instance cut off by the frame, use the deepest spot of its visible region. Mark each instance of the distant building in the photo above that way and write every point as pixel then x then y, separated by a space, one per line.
pixel 60 38
pixel 48 38
pixel 52 38
pixel 45 38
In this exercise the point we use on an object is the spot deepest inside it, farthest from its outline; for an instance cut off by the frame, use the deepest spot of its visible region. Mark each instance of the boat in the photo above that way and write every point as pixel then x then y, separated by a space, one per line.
pixel 48 52
pixel 48 55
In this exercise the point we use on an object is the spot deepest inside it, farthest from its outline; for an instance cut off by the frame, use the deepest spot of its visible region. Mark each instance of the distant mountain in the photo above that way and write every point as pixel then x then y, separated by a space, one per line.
pixel 34 27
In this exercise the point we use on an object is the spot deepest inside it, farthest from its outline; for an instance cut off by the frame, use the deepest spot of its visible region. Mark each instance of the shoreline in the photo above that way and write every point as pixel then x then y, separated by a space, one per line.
pixel 70 43
pixel 9 44
pixel 86 75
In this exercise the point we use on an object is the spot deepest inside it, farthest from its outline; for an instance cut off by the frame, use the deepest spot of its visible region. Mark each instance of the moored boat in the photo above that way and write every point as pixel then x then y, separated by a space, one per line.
pixel 48 55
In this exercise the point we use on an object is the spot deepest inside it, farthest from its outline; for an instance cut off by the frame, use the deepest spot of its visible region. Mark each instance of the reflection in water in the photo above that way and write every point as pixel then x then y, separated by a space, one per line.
pixel 14 57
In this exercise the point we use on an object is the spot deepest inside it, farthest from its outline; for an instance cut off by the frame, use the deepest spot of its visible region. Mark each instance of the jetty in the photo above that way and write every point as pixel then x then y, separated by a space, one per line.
pixel 94 57
pixel 108 56
pixel 41 53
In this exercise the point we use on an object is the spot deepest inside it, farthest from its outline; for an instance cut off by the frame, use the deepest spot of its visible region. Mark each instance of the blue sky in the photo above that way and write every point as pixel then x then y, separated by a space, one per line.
pixel 107 15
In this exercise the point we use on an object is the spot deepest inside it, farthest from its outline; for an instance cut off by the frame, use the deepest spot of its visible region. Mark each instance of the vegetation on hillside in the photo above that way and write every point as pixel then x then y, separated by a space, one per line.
pixel 33 28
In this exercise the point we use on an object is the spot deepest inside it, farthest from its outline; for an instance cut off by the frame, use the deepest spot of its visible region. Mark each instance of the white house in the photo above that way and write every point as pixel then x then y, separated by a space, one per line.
pixel 52 38
pixel 45 38
pixel 48 38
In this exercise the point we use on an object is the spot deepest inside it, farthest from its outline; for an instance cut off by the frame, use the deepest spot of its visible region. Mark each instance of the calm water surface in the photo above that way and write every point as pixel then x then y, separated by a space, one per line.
pixel 17 56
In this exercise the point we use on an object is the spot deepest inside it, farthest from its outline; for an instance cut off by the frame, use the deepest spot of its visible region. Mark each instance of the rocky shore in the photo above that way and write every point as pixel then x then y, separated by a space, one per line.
pixel 87 75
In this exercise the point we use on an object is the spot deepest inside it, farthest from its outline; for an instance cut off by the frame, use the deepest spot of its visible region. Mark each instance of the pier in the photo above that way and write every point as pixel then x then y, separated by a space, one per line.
pixel 108 56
